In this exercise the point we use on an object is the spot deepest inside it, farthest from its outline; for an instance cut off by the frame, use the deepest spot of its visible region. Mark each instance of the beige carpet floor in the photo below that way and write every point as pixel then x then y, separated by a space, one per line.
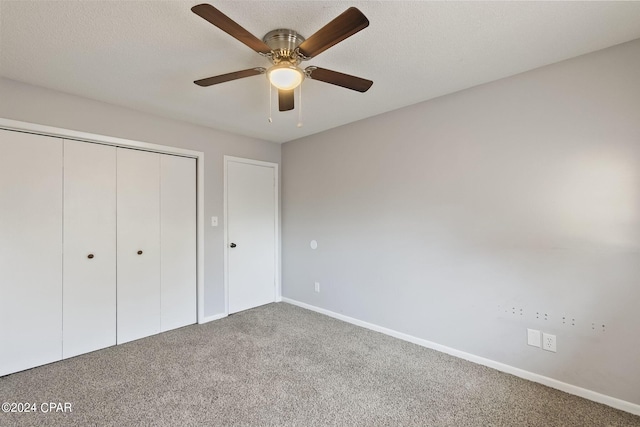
pixel 280 365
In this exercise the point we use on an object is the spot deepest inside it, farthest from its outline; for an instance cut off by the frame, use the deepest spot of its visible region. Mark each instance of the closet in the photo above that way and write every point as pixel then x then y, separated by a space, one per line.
pixel 97 247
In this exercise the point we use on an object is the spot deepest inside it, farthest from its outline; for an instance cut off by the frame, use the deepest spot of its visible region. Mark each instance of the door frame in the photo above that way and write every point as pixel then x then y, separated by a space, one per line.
pixel 276 203
pixel 19 126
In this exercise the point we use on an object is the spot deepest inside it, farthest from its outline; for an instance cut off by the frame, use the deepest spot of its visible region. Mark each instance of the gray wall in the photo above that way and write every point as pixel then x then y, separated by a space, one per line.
pixel 46 107
pixel 443 219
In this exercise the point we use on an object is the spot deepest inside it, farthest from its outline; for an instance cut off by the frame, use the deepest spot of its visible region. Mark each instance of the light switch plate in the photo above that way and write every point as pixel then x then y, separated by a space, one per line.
pixel 214 221
pixel 533 337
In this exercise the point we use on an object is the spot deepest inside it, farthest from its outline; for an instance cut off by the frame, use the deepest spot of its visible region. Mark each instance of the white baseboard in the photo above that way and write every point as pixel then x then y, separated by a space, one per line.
pixel 213 317
pixel 550 382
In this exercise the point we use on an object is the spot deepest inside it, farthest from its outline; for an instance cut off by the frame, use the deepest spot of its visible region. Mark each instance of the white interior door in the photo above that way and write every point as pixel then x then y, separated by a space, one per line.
pixel 30 250
pixel 178 241
pixel 138 216
pixel 89 278
pixel 251 231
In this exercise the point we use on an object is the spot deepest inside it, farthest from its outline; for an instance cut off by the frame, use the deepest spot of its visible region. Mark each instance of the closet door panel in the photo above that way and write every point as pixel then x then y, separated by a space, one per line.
pixel 178 241
pixel 138 216
pixel 30 250
pixel 89 297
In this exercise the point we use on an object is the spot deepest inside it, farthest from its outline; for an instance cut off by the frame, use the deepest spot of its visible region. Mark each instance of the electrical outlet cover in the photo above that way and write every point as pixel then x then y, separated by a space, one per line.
pixel 549 342
pixel 533 337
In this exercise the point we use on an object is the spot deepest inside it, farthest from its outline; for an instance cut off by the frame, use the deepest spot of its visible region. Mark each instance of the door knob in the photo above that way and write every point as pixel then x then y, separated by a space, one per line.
pixel 139 252
pixel 233 245
pixel 90 256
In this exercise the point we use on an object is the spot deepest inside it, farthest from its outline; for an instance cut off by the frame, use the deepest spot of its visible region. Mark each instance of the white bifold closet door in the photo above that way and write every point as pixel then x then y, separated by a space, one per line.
pixel 156 255
pixel 89 285
pixel 30 250
pixel 138 216
pixel 178 241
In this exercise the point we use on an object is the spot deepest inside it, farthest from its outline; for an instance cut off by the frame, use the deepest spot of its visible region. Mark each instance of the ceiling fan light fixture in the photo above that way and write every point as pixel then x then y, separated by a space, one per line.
pixel 285 76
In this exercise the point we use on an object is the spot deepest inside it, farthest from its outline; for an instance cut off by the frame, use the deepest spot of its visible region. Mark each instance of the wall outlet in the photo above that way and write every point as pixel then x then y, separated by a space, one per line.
pixel 317 286
pixel 533 337
pixel 214 221
pixel 549 342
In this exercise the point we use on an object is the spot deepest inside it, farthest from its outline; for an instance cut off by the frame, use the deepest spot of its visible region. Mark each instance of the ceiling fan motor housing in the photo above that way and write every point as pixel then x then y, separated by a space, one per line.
pixel 283 43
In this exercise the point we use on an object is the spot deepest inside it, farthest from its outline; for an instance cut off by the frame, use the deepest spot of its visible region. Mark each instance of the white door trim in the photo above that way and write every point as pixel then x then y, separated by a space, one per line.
pixel 128 143
pixel 278 284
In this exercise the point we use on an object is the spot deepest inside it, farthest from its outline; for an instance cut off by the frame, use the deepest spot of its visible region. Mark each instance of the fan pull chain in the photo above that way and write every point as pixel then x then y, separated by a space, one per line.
pixel 270 102
pixel 300 106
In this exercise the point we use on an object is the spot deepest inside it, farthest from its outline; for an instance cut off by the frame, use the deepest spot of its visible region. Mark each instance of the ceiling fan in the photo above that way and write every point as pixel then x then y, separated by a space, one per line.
pixel 285 49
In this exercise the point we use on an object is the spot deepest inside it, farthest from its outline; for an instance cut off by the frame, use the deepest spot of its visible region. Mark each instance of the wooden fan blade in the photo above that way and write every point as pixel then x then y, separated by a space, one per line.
pixel 230 27
pixel 209 81
pixel 347 24
pixel 339 79
pixel 285 100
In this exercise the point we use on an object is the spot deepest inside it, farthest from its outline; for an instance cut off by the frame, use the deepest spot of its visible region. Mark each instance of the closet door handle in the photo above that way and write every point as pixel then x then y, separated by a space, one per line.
pixel 90 256
pixel 233 245
pixel 139 252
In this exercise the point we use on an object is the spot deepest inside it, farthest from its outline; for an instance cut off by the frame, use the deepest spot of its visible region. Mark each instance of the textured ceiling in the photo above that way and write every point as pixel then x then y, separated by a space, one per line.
pixel 145 55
